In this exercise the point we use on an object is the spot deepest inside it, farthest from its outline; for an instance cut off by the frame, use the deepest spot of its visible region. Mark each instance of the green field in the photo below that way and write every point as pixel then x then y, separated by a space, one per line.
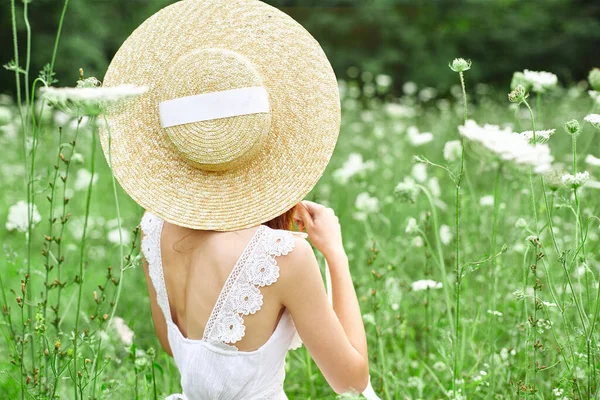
pixel 521 324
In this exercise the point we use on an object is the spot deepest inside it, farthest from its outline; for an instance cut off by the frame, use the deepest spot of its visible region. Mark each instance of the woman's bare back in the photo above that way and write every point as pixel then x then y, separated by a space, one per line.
pixel 196 265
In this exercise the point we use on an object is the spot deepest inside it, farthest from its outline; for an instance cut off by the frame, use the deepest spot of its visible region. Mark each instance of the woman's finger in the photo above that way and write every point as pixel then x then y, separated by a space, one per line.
pixel 312 207
pixel 303 214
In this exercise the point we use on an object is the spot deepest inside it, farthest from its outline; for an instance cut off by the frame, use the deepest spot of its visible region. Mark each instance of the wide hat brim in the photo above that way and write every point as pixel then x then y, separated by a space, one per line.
pixel 304 109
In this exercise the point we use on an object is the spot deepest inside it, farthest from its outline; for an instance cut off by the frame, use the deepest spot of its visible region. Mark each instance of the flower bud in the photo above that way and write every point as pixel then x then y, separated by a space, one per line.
pixel 572 127
pixel 460 65
pixel 518 95
pixel 594 79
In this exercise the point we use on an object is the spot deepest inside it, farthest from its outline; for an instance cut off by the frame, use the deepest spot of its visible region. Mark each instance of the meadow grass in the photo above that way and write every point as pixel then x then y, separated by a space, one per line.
pixel 476 279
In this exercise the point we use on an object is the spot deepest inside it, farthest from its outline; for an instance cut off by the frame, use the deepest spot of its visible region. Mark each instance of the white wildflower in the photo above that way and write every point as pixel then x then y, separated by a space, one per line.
pixel 593 161
pixel 540 80
pixel 417 138
pixel 369 318
pixel 439 366
pixel 483 373
pixel 445 234
pixel 18 219
pixel 354 165
pixel 486 201
pixel 519 295
pixel 417 242
pixel 434 187
pixel 77 158
pixel 407 190
pixel 395 306
pixel 364 202
pixel 575 181
pixel 460 65
pixel 521 223
pixel 452 150
pixel 5 115
pixel 548 304
pixel 409 88
pixel 593 119
pixel 419 172
pixel 595 95
pixel 125 333
pixel 540 136
pixel 505 145
pixel 113 236
pixel 495 313
pixel 425 284
pixel 504 353
pixel 399 110
pixel 412 224
pixel 383 80
pixel 89 98
pixel 427 93
pixel 82 180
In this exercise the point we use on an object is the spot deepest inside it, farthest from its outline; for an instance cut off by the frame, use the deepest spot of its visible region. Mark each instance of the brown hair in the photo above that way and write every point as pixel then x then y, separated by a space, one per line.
pixel 284 221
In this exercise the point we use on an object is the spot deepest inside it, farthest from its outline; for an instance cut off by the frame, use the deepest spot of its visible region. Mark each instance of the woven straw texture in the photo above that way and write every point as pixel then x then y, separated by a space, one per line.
pixel 229 173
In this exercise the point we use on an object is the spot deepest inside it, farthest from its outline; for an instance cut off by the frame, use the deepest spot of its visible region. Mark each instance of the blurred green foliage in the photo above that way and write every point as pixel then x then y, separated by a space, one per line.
pixel 407 39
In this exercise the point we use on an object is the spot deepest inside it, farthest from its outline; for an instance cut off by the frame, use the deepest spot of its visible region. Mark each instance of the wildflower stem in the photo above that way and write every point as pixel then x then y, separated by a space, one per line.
pixel 82 254
pixel 121 254
pixel 493 274
pixel 51 222
pixel 455 366
pixel 442 264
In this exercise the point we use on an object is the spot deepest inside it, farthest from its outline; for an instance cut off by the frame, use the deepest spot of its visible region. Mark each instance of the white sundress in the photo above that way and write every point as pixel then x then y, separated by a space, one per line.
pixel 209 367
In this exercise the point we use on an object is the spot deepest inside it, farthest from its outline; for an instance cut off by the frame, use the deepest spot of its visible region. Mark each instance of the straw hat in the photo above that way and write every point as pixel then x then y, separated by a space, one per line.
pixel 240 119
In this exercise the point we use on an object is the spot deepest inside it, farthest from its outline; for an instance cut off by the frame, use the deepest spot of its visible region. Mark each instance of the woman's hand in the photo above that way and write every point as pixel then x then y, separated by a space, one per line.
pixel 322 226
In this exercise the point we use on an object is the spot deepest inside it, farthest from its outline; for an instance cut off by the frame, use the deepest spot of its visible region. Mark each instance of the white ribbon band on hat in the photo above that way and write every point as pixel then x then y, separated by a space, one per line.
pixel 214 105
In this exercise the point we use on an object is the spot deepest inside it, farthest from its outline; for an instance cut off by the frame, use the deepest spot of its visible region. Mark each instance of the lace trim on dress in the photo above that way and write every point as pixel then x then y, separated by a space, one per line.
pixel 152 227
pixel 240 295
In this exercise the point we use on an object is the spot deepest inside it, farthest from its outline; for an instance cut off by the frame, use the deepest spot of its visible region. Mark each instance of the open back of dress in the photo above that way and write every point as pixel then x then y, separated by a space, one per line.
pixel 212 367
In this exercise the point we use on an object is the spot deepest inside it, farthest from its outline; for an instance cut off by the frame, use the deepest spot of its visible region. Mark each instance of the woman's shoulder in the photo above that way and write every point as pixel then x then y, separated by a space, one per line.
pixel 299 261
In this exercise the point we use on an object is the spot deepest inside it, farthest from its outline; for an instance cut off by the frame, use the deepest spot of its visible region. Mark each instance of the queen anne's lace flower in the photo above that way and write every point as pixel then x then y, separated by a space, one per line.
pixel 412 224
pixel 576 181
pixel 594 78
pixel 417 138
pixel 354 165
pixel 114 237
pixel 18 219
pixel 125 333
pixel 593 119
pixel 88 98
pixel 540 136
pixel 425 284
pixel 593 161
pixel 83 178
pixel 445 234
pixel 540 80
pixel 595 95
pixel 5 115
pixel 364 202
pixel 407 190
pixel 506 146
pixel 452 150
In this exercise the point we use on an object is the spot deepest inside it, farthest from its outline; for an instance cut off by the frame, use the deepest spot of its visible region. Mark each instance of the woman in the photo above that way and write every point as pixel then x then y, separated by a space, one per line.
pixel 239 122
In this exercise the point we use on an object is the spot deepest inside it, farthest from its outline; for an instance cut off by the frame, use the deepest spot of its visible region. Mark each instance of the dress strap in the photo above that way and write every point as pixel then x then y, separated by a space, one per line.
pixel 241 294
pixel 152 227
